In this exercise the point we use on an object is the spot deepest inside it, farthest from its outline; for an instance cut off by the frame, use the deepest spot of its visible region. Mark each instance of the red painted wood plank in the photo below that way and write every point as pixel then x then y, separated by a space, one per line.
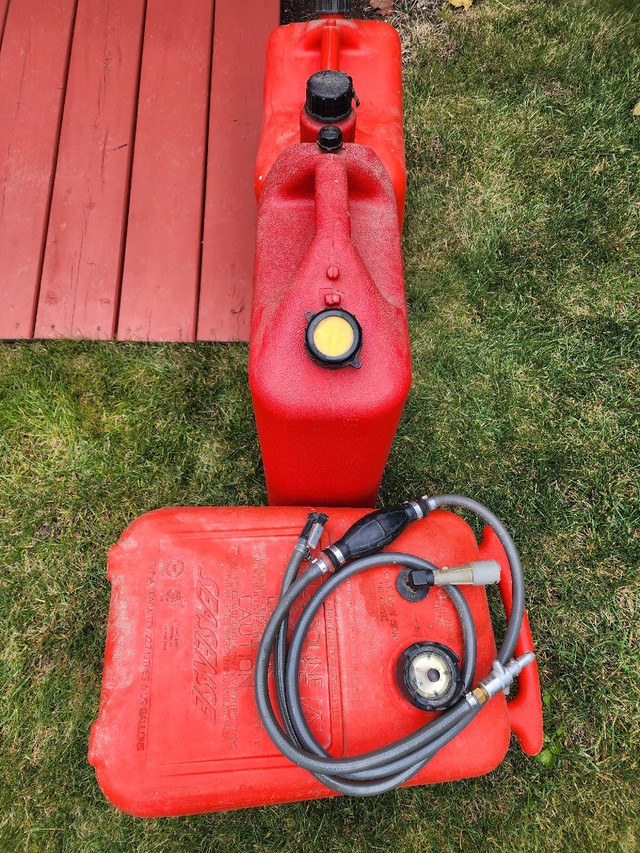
pixel 240 40
pixel 4 5
pixel 80 283
pixel 33 65
pixel 162 256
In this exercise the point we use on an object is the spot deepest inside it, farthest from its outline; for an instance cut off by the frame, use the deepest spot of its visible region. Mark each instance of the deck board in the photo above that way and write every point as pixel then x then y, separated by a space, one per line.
pixel 80 285
pixel 4 5
pixel 162 262
pixel 230 211
pixel 33 67
pixel 128 132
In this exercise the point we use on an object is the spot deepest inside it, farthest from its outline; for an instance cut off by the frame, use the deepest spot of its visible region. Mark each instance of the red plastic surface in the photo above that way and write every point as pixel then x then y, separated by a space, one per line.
pixel 525 709
pixel 369 51
pixel 310 127
pixel 328 234
pixel 178 731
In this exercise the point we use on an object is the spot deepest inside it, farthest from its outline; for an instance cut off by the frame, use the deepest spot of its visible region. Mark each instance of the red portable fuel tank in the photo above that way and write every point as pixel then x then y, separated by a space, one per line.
pixel 329 364
pixel 179 731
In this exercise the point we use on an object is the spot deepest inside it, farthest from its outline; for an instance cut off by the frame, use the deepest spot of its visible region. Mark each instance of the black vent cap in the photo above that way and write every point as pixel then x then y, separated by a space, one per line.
pixel 330 138
pixel 329 96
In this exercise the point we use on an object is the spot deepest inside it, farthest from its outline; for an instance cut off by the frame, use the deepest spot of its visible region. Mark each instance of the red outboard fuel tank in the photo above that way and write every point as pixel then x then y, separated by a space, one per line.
pixel 178 730
pixel 329 365
pixel 367 51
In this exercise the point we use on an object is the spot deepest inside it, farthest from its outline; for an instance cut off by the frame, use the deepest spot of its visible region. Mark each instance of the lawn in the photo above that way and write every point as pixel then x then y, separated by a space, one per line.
pixel 522 258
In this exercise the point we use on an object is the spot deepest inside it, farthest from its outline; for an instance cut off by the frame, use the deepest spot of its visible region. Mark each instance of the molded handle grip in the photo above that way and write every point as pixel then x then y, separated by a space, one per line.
pixel 525 710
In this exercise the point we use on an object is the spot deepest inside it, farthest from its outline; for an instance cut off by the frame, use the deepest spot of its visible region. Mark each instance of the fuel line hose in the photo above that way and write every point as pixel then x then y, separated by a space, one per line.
pixel 386 768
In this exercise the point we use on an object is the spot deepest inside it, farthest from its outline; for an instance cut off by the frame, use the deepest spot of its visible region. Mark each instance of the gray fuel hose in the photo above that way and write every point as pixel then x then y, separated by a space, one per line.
pixel 388 767
pixel 514 623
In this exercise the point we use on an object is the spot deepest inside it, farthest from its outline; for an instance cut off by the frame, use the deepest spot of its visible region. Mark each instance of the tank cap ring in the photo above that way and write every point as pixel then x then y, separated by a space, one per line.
pixel 428 676
pixel 333 338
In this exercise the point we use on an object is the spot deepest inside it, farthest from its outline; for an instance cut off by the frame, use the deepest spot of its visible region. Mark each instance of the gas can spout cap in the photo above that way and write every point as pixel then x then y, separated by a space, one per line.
pixel 330 138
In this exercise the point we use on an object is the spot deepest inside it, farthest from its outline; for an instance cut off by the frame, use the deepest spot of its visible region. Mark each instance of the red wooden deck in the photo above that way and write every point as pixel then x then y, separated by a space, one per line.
pixel 128 133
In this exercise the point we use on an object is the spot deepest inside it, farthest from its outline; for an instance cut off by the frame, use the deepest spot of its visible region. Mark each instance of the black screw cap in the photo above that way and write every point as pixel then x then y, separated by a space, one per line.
pixel 329 96
pixel 330 138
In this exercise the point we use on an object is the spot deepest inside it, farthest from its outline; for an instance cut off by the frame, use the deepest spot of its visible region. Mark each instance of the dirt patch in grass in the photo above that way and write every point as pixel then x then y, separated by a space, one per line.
pixel 305 10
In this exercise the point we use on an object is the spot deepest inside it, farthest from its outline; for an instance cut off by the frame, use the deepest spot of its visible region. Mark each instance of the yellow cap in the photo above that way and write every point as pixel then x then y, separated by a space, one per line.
pixel 333 336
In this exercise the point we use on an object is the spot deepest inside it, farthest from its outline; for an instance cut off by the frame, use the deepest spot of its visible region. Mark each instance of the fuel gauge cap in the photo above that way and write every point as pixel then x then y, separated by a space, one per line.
pixel 333 338
pixel 428 676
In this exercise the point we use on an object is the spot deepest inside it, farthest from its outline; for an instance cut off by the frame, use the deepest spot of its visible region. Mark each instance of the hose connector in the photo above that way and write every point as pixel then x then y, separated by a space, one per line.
pixel 312 531
pixel 323 564
pixel 332 7
pixel 428 504
pixel 499 679
pixel 476 573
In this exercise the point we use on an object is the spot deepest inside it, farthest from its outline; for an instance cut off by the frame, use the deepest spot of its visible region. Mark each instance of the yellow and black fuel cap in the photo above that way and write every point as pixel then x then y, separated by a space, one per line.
pixel 333 338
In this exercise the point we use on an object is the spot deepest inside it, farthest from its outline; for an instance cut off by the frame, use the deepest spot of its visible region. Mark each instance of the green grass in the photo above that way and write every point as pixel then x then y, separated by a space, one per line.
pixel 523 284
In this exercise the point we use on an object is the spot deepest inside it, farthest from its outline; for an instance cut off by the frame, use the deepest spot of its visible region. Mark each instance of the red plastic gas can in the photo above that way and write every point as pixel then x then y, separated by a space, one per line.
pixel 328 257
pixel 178 730
pixel 370 53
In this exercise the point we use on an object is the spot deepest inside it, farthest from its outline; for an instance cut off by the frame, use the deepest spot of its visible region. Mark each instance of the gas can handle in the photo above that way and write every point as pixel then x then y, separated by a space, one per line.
pixel 525 709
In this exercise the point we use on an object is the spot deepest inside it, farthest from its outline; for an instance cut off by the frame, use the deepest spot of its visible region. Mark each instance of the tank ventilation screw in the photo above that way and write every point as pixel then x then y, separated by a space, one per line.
pixel 330 138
